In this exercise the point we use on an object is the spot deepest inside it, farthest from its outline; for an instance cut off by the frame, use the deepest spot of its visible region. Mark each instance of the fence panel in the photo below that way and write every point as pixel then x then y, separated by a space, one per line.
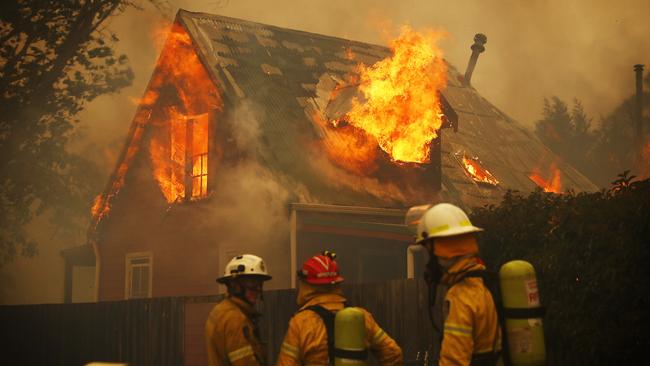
pixel 138 332
pixel 160 331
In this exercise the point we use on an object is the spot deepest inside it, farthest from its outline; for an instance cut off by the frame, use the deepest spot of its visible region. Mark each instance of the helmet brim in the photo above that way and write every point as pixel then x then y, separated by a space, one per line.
pixel 225 279
pixel 452 232
pixel 324 281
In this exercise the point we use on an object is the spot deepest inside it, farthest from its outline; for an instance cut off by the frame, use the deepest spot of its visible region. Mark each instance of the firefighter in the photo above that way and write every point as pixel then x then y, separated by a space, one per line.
pixel 464 315
pixel 231 331
pixel 306 341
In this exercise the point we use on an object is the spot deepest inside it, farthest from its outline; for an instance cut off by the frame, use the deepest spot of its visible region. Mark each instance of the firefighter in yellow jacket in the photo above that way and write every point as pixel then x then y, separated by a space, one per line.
pixel 231 331
pixel 466 328
pixel 306 341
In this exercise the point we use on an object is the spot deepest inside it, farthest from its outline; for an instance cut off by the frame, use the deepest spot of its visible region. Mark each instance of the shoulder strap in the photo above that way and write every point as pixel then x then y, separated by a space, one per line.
pixel 328 318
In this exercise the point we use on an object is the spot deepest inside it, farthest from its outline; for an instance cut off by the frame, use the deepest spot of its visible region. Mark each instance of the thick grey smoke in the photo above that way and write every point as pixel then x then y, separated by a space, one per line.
pixel 250 211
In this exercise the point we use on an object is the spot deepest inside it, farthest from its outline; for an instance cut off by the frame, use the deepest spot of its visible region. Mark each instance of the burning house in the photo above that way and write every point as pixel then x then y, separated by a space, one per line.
pixel 254 138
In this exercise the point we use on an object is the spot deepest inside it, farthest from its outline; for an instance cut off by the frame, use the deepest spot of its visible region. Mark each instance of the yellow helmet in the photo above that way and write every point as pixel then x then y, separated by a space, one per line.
pixel 443 220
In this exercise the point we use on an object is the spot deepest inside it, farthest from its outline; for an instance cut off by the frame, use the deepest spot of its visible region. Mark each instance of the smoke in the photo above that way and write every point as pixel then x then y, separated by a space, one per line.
pixel 250 205
pixel 338 178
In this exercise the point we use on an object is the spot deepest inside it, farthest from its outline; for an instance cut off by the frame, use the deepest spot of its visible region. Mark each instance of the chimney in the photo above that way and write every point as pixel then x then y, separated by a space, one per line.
pixel 478 47
pixel 638 115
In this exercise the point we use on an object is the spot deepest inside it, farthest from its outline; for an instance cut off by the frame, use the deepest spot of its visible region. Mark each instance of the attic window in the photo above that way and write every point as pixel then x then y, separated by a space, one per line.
pixel 474 169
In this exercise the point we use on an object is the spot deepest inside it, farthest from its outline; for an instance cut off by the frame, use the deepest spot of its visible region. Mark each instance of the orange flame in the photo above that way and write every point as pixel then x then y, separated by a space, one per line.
pixel 180 90
pixel 349 54
pixel 553 184
pixel 181 124
pixel 402 108
pixel 477 172
pixel 102 203
pixel 350 148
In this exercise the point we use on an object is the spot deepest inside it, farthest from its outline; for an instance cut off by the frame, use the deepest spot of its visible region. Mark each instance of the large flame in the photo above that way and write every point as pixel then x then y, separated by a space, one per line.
pixel 349 147
pixel 402 108
pixel 184 94
pixel 553 184
pixel 180 92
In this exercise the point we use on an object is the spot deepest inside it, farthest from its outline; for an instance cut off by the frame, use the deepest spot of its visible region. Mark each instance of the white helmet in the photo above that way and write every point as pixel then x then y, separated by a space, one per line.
pixel 442 220
pixel 244 265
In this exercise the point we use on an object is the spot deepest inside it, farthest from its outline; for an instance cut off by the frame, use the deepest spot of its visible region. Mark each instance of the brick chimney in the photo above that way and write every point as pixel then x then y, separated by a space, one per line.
pixel 477 48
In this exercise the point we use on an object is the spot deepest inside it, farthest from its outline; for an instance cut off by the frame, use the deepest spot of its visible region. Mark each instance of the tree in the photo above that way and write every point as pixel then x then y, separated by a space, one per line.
pixel 590 251
pixel 568 134
pixel 55 56
pixel 615 148
pixel 555 127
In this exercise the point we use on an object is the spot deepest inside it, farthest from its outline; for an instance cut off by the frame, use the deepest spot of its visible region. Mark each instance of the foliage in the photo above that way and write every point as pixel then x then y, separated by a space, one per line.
pixel 598 152
pixel 615 147
pixel 567 133
pixel 55 56
pixel 590 251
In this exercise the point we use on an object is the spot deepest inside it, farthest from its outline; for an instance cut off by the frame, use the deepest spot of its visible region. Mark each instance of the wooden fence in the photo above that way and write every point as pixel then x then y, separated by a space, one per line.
pixel 169 331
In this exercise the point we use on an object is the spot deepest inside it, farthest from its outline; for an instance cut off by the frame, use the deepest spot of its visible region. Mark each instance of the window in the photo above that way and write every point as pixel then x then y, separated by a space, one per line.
pixel 180 159
pixel 139 268
pixel 199 128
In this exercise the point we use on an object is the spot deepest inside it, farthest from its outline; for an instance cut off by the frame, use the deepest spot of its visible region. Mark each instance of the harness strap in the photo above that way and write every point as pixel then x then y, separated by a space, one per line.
pixel 349 354
pixel 328 318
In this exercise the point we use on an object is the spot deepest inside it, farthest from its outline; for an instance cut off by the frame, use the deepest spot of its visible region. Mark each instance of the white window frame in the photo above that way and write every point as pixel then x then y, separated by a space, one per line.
pixel 128 272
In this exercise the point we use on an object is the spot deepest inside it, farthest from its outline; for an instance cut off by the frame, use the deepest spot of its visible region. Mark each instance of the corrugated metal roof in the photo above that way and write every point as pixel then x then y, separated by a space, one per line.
pixel 278 70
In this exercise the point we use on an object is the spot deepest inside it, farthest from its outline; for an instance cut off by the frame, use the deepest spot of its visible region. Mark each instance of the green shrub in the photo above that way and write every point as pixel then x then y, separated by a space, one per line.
pixel 592 255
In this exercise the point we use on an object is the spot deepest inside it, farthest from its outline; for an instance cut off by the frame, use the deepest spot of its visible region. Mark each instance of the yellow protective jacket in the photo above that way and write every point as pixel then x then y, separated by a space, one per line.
pixel 231 335
pixel 470 318
pixel 306 340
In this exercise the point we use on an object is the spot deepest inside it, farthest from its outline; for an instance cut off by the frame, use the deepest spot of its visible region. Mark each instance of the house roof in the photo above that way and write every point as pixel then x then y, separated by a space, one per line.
pixel 280 69
pixel 281 73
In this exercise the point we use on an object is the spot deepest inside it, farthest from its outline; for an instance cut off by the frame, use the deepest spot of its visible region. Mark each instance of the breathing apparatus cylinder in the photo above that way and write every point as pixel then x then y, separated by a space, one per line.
pixel 522 313
pixel 350 338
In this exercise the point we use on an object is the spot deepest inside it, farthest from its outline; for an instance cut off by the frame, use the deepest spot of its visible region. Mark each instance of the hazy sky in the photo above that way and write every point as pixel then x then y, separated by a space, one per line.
pixel 536 48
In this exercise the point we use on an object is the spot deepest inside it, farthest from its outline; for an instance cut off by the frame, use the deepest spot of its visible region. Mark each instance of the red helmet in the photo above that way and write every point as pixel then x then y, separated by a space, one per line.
pixel 321 270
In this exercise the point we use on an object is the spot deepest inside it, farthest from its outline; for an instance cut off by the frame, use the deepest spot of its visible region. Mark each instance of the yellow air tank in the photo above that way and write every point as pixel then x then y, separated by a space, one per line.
pixel 350 338
pixel 523 314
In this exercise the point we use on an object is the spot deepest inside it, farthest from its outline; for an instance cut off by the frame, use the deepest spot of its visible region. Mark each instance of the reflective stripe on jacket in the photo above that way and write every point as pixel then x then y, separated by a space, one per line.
pixel 306 340
pixel 231 336
pixel 471 324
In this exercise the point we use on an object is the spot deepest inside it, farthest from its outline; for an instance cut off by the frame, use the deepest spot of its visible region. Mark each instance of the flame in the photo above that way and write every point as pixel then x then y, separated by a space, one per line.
pixel 553 184
pixel 349 54
pixel 102 203
pixel 477 172
pixel 189 95
pixel 402 109
pixel 179 91
pixel 350 147
pixel 98 204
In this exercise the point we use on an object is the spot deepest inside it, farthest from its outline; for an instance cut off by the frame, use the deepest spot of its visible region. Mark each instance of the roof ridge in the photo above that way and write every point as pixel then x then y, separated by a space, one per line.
pixel 187 13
